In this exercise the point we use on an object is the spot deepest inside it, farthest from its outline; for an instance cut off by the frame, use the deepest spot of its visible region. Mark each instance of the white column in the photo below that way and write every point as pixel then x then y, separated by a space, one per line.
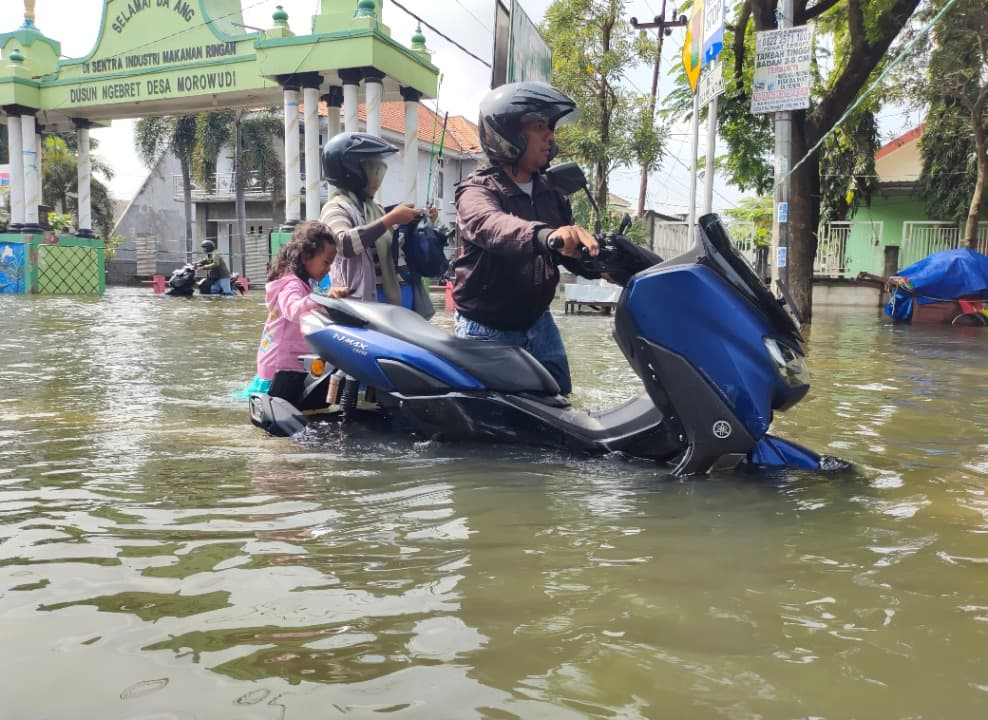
pixel 334 100
pixel 310 99
pixel 374 91
pixel 31 170
pixel 39 144
pixel 16 152
pixel 293 177
pixel 410 170
pixel 350 104
pixel 85 174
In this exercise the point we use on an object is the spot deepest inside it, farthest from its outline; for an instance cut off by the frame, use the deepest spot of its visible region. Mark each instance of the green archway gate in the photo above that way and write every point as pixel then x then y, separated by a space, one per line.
pixel 175 57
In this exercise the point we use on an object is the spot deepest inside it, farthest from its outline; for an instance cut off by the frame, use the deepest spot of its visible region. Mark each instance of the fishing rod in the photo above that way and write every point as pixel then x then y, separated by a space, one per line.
pixel 432 144
pixel 438 158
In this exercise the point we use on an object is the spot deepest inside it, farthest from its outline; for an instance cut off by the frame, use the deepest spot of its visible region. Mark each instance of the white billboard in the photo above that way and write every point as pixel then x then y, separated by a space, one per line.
pixel 520 53
pixel 782 77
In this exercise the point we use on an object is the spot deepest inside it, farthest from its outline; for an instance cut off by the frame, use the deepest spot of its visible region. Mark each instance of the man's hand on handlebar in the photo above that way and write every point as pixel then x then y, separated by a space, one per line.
pixel 570 240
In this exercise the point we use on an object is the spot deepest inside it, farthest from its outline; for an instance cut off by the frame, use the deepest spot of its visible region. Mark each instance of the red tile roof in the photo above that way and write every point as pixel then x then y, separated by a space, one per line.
pixel 909 137
pixel 461 134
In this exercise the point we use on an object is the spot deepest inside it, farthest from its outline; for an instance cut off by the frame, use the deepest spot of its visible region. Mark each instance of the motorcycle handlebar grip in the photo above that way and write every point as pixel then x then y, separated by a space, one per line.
pixel 555 242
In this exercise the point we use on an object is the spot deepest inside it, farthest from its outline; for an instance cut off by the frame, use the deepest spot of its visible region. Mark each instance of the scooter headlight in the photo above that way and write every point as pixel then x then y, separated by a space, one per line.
pixel 790 363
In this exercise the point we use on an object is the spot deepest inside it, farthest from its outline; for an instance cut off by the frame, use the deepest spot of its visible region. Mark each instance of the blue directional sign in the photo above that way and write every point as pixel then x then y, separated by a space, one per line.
pixel 713 29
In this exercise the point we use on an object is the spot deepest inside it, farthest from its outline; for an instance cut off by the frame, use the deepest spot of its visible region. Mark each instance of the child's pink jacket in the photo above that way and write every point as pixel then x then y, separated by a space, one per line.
pixel 287 298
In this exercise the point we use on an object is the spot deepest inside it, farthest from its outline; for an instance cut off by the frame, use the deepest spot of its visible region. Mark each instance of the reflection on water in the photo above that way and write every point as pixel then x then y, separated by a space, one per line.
pixel 159 557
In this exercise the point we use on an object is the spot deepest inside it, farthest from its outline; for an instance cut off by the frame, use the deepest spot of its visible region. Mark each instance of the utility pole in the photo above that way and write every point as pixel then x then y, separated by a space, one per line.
pixel 783 152
pixel 664 26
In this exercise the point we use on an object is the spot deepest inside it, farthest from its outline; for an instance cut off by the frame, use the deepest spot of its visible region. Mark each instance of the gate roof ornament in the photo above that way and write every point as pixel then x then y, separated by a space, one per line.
pixel 170 57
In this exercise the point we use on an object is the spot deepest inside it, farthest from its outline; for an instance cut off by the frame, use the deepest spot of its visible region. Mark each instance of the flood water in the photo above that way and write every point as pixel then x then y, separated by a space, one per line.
pixel 161 558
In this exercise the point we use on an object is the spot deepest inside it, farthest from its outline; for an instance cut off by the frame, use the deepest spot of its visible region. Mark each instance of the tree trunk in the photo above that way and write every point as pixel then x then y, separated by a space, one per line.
pixel 981 156
pixel 804 216
pixel 187 206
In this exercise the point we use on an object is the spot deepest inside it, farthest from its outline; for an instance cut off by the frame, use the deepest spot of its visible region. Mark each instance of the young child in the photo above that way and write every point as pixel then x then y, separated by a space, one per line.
pixel 298 268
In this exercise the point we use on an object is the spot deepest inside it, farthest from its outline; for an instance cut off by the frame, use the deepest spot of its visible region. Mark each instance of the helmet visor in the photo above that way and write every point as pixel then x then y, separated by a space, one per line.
pixel 555 116
pixel 374 170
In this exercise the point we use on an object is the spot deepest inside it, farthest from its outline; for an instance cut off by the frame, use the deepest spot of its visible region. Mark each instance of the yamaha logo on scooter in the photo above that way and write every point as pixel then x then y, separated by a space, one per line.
pixel 722 429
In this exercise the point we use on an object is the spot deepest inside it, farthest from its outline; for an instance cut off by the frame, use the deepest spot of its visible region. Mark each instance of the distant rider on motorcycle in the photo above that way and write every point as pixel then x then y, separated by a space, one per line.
pixel 216 270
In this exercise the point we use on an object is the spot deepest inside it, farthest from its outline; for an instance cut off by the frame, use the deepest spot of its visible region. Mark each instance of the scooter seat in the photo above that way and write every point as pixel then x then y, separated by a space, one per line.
pixel 499 367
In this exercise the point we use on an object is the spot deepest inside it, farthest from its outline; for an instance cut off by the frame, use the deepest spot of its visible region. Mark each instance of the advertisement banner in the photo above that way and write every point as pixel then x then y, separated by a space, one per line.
pixel 782 79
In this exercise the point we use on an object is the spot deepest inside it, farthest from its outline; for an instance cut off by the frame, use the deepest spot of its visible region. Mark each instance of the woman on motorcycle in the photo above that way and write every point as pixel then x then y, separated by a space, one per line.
pixel 354 163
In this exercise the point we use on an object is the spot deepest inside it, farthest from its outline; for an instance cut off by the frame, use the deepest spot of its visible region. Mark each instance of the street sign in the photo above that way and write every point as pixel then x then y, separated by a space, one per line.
pixel 781 257
pixel 693 46
pixel 783 212
pixel 711 81
pixel 713 29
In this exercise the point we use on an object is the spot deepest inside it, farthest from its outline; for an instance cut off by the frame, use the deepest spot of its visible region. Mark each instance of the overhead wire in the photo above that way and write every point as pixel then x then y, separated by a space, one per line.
pixel 441 33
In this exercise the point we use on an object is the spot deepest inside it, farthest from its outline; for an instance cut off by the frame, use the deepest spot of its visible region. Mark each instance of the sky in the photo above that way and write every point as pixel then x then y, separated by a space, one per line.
pixel 464 79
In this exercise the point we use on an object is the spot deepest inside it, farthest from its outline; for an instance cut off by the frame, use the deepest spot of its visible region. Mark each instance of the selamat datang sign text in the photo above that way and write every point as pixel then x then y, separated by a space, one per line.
pixel 782 78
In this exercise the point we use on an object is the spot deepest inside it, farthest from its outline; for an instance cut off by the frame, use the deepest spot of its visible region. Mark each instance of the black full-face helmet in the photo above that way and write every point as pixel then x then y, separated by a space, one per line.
pixel 505 108
pixel 208 246
pixel 342 156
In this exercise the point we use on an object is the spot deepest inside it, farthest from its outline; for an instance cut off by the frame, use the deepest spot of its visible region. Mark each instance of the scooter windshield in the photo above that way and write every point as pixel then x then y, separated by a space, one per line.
pixel 724 258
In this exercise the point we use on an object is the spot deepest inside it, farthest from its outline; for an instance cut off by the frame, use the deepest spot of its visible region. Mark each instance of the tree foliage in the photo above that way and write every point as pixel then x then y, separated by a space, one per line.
pixel 593 47
pixel 954 180
pixel 60 181
pixel 853 37
pixel 251 136
pixel 757 211
pixel 847 166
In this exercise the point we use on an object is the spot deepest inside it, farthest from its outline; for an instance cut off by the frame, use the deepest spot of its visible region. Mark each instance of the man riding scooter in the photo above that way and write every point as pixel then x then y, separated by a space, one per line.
pixel 217 273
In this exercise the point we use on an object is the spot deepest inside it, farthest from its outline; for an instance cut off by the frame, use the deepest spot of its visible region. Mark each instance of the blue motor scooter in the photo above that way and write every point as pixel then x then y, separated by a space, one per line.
pixel 716 352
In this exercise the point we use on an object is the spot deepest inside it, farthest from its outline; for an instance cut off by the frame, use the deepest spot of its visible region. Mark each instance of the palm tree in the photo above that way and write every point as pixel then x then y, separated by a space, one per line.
pixel 60 180
pixel 251 135
pixel 154 136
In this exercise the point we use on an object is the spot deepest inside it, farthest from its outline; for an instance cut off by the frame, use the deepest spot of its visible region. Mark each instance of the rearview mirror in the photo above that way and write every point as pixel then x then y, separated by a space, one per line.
pixel 566 177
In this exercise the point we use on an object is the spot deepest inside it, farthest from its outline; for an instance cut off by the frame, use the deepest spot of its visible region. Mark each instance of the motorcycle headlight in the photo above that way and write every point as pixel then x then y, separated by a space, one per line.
pixel 790 363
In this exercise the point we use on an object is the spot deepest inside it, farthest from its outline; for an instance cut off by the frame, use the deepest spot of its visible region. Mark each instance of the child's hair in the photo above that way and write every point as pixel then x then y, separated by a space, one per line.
pixel 308 240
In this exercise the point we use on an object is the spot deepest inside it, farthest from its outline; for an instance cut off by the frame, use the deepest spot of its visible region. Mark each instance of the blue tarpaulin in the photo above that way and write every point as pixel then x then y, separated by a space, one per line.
pixel 946 275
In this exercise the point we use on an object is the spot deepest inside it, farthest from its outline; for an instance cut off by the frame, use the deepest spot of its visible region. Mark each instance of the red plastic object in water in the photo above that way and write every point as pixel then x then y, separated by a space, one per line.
pixel 157 283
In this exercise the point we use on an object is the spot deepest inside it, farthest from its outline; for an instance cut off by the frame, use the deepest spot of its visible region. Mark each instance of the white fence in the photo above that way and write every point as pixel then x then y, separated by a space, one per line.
pixel 671 238
pixel 920 239
pixel 223 185
pixel 832 258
